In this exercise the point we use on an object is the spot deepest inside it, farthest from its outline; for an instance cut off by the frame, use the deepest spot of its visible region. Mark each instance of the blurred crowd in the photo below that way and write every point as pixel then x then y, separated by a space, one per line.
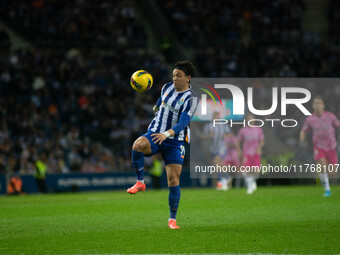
pixel 206 22
pixel 74 110
pixel 62 22
pixel 5 41
pixel 300 59
pixel 252 38
pixel 328 90
pixel 334 20
pixel 71 106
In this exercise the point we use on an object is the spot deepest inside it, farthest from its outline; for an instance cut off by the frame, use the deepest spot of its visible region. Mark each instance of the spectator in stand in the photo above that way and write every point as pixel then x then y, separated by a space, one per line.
pixel 40 173
pixel 56 108
pixel 103 23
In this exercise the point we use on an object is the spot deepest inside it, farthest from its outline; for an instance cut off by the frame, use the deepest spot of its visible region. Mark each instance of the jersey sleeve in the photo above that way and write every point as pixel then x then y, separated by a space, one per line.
pixel 159 102
pixel 162 90
pixel 182 123
pixel 189 108
pixel 165 87
pixel 335 120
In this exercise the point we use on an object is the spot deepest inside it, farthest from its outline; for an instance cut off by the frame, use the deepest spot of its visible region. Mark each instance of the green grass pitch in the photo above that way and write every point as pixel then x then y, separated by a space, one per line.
pixel 277 220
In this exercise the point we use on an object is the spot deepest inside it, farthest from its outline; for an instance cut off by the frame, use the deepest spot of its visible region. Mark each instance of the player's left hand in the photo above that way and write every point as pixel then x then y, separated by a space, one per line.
pixel 158 138
pixel 259 151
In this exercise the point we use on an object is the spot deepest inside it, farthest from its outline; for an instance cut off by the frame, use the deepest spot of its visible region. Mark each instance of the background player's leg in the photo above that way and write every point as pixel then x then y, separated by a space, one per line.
pixel 217 161
pixel 173 172
pixel 251 177
pixel 248 179
pixel 223 177
pixel 324 176
pixel 140 148
pixel 251 183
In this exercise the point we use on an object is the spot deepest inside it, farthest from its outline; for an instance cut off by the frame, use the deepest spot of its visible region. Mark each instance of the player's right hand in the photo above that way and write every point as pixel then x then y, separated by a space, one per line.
pixel 158 138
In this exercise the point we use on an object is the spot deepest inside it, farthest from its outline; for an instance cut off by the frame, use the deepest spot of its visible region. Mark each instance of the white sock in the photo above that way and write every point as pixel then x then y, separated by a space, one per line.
pixel 254 185
pixel 324 181
pixel 141 181
pixel 248 182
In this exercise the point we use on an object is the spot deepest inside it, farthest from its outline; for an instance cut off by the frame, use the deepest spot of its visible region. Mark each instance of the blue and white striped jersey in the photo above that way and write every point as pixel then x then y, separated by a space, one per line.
pixel 218 144
pixel 171 105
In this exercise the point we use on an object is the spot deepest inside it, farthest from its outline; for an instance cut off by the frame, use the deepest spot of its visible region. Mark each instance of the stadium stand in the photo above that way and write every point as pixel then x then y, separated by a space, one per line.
pixel 256 39
pixel 70 92
pixel 74 102
pixel 81 23
pixel 334 20
pixel 216 22
pixel 5 42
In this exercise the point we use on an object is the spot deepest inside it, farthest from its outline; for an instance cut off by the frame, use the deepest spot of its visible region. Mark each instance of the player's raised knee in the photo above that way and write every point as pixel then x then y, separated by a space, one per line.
pixel 141 145
pixel 138 145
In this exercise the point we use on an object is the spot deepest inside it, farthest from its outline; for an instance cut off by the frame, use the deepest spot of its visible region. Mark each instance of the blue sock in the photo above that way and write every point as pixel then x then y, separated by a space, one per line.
pixel 174 196
pixel 138 164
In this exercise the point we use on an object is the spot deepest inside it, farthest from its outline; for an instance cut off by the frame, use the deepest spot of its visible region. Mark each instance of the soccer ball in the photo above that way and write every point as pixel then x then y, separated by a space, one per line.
pixel 141 81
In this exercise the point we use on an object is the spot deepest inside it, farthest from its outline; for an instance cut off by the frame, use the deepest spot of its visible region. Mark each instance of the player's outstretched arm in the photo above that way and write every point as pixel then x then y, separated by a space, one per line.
pixel 259 148
pixel 302 136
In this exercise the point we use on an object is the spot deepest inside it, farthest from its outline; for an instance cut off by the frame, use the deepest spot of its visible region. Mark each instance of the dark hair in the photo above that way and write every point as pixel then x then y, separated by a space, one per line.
pixel 186 66
pixel 319 97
